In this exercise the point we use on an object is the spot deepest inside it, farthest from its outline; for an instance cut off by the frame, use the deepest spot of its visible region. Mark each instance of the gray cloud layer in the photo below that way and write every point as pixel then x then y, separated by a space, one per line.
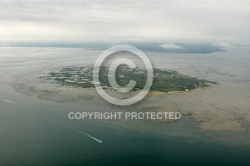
pixel 224 20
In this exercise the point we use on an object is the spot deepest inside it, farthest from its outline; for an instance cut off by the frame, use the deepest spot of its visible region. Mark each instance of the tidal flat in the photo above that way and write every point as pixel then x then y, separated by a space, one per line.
pixel 215 119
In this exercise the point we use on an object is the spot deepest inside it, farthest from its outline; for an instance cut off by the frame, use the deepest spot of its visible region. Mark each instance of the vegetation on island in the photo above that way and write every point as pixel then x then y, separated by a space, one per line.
pixel 164 80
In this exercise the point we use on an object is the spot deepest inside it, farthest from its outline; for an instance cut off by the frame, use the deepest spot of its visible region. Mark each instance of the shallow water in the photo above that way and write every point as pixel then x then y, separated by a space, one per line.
pixel 38 132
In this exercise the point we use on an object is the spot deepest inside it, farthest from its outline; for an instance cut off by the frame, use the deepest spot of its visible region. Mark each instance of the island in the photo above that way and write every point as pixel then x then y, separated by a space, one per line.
pixel 164 80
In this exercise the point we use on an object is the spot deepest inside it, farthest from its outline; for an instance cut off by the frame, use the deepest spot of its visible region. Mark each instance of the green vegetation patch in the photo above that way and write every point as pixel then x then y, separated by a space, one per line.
pixel 164 80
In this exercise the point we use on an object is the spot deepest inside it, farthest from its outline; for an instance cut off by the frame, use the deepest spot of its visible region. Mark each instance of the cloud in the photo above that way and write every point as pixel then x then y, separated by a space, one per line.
pixel 161 20
pixel 5 44
pixel 171 46
pixel 222 44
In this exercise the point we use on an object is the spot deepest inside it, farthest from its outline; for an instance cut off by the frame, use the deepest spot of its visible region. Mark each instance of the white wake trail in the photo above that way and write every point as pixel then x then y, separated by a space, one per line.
pixel 93 138
pixel 12 102
pixel 96 139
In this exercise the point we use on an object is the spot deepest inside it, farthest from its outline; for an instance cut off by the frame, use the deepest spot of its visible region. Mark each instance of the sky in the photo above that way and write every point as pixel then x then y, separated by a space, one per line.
pixel 222 21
